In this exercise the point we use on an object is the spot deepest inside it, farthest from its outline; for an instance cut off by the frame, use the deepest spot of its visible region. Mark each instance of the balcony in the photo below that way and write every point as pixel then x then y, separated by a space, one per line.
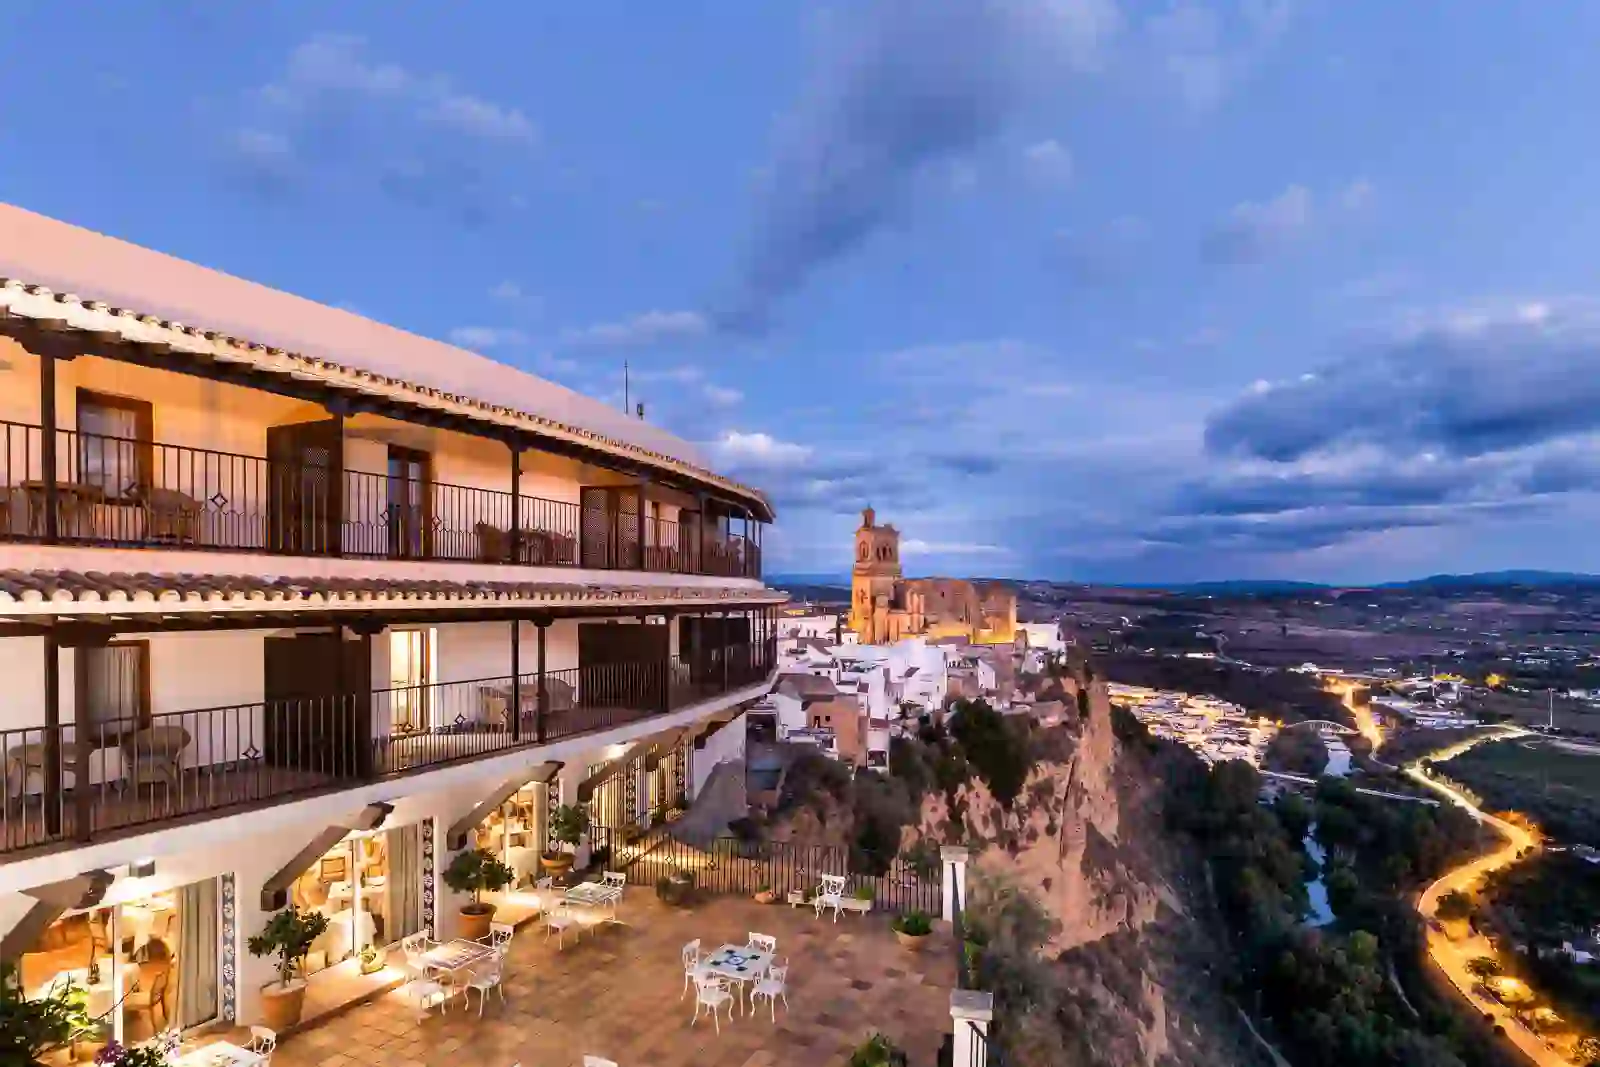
pixel 122 492
pixel 119 774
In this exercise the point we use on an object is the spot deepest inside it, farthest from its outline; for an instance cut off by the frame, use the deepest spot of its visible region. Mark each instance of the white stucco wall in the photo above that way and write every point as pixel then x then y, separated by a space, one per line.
pixel 726 744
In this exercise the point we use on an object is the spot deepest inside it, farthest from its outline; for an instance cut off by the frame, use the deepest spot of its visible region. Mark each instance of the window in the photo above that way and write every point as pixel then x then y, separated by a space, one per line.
pixel 115 450
pixel 118 677
pixel 411 672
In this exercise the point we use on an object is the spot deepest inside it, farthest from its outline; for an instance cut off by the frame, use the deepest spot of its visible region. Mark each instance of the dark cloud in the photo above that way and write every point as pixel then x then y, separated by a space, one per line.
pixel 912 83
pixel 1380 486
pixel 1463 391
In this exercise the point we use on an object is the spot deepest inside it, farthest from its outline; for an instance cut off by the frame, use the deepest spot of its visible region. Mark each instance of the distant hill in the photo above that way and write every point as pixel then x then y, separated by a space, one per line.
pixel 830 581
pixel 1478 580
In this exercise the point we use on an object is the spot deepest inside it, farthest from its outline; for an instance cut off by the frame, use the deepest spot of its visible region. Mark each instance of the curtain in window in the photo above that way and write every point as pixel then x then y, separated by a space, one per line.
pixel 116 682
pixel 108 449
pixel 197 953
pixel 404 882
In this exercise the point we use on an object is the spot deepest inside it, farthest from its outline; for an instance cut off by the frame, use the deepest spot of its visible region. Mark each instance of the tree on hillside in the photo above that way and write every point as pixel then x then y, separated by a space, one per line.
pixel 1482 967
pixel 1454 906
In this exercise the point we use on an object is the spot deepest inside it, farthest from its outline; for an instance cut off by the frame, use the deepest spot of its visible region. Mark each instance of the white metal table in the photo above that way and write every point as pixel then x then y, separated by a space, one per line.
pixel 737 963
pixel 221 1054
pixel 452 957
pixel 595 895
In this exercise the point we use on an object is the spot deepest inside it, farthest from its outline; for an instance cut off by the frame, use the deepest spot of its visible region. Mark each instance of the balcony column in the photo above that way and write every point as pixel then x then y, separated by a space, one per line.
pixel 722 639
pixel 360 702
pixel 664 702
pixel 541 624
pixel 515 533
pixel 702 519
pixel 47 446
pixel 52 735
pixel 83 743
pixel 516 675
pixel 971 1012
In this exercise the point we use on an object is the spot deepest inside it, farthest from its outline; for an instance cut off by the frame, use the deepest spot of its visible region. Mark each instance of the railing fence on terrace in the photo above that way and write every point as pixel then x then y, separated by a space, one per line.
pixel 130 771
pixel 120 491
pixel 745 868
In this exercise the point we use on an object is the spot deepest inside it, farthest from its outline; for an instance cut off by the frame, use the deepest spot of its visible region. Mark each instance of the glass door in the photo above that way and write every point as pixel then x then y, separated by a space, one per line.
pixel 408 503
pixel 411 674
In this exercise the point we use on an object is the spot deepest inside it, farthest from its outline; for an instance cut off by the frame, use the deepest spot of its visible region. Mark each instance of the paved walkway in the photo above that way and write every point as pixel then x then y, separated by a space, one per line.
pixel 615 993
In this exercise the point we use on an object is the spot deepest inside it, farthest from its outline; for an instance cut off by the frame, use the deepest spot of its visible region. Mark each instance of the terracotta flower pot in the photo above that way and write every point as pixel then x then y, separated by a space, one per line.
pixel 766 896
pixel 914 942
pixel 556 863
pixel 475 921
pixel 281 1005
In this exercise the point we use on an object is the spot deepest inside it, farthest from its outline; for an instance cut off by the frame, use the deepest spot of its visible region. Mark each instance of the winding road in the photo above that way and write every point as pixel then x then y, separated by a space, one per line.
pixel 1451 956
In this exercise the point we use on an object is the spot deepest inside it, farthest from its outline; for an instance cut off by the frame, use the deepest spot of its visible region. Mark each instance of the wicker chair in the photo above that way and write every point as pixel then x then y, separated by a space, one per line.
pixel 155 754
pixel 171 516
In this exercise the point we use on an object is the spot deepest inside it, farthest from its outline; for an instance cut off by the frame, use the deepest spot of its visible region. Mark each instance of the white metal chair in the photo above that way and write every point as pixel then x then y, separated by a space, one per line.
pixel 263 1042
pixel 596 1061
pixel 711 993
pixel 773 986
pixel 691 965
pixel 614 880
pixel 560 919
pixel 545 888
pixel 830 894
pixel 762 943
pixel 500 935
pixel 424 991
pixel 484 977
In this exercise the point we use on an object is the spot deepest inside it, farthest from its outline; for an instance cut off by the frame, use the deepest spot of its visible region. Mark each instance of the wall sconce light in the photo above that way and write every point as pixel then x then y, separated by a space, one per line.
pixel 141 868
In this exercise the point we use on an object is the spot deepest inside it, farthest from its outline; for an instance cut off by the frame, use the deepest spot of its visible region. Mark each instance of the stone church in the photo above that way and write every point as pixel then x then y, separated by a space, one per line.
pixel 885 606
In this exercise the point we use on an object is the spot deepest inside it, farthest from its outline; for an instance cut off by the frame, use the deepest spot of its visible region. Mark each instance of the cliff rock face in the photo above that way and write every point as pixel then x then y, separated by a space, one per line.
pixel 1133 966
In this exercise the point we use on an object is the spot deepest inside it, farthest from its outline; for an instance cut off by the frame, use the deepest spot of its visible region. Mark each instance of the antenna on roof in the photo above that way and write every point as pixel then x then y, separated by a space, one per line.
pixel 639 409
pixel 624 387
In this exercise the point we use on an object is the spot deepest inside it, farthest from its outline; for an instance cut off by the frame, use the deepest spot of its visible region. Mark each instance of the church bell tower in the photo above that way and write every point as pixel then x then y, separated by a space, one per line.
pixel 876 570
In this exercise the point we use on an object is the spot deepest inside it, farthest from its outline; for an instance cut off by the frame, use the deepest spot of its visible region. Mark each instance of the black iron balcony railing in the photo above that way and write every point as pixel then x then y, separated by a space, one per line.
pixel 120 491
pixel 64 783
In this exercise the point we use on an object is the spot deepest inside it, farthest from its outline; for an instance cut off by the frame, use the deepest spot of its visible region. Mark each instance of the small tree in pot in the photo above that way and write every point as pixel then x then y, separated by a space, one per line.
pixel 913 929
pixel 477 872
pixel 289 936
pixel 30 1028
pixel 568 824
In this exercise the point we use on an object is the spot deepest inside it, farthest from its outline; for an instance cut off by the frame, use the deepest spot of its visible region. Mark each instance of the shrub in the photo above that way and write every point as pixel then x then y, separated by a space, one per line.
pixel 288 935
pixel 914 924
pixel 568 824
pixel 477 872
pixel 878 1051
pixel 864 892
pixel 29 1028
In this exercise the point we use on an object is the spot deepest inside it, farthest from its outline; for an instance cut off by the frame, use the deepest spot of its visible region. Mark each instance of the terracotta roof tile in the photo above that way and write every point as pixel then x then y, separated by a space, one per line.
pixel 40 589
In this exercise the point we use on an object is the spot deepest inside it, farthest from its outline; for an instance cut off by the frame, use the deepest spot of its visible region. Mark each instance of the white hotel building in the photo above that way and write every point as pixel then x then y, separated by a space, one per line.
pixel 294 605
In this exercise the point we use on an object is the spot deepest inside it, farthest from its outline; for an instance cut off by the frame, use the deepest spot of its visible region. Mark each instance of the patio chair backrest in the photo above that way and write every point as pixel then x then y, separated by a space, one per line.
pixel 763 942
pixel 501 934
pixel 706 984
pixel 832 886
pixel 691 954
pixel 544 883
pixel 778 973
pixel 614 879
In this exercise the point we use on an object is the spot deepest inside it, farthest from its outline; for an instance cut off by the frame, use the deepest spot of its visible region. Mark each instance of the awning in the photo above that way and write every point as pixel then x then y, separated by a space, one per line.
pixel 275 891
pixel 456 838
pixel 612 767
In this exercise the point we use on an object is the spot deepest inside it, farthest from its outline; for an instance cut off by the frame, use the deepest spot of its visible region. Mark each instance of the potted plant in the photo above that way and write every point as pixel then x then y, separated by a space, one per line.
pixel 30 1028
pixel 567 826
pixel 477 872
pixel 287 935
pixel 878 1051
pixel 675 888
pixel 860 899
pixel 765 895
pixel 157 1052
pixel 913 929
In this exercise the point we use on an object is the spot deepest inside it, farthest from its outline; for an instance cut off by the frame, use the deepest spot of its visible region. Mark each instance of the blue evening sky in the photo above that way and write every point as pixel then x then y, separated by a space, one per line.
pixel 1064 288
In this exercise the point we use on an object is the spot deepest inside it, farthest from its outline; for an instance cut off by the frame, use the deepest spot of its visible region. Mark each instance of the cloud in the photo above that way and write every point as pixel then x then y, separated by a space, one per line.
pixel 508 291
pixel 722 396
pixel 906 85
pixel 1048 162
pixel 758 451
pixel 335 117
pixel 1254 231
pixel 642 330
pixel 1202 55
pixel 915 547
pixel 1466 385
pixel 484 337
